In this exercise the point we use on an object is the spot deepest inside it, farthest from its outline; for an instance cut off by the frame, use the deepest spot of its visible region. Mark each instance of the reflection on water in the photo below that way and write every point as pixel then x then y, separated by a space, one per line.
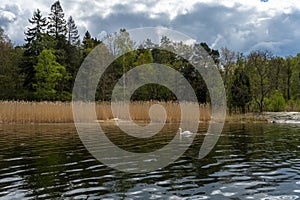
pixel 250 161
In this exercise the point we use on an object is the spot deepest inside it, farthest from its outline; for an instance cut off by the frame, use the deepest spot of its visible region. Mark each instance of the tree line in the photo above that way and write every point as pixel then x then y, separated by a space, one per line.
pixel 45 67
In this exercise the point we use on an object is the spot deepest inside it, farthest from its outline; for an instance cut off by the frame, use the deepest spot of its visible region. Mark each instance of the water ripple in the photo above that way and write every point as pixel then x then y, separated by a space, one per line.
pixel 248 162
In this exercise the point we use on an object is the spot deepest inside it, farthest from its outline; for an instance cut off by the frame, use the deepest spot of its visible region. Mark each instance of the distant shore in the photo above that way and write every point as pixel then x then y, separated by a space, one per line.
pixel 22 112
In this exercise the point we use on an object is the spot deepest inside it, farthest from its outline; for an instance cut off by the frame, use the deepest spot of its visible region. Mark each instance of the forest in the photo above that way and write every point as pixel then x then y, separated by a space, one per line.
pixel 45 67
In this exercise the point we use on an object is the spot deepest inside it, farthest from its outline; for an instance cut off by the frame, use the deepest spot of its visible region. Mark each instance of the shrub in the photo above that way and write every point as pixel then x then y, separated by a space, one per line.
pixel 276 102
pixel 293 105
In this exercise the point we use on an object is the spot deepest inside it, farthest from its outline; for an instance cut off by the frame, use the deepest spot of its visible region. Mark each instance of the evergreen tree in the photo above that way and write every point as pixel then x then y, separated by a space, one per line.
pixel 39 26
pixel 240 91
pixel 286 74
pixel 295 78
pixel 89 43
pixel 87 40
pixel 73 56
pixel 72 32
pixel 212 52
pixel 57 24
pixel 36 40
pixel 87 36
pixel 149 44
pixel 34 35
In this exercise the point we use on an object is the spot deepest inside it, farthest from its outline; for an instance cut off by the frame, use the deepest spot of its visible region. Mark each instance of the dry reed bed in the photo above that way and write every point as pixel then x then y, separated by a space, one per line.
pixel 61 112
pixel 35 112
pixel 140 111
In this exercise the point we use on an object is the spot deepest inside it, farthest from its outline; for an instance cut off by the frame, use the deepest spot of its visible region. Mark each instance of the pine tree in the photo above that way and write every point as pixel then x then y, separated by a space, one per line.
pixel 36 41
pixel 240 91
pixel 73 56
pixel 57 24
pixel 39 26
pixel 89 43
pixel 73 37
pixel 86 40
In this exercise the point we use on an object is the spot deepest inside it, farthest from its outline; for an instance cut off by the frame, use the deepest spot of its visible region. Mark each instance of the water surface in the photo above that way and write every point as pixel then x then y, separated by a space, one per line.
pixel 250 161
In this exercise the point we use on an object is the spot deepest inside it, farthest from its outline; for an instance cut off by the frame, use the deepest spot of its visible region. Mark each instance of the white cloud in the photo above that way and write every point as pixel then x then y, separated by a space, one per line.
pixel 214 44
pixel 8 15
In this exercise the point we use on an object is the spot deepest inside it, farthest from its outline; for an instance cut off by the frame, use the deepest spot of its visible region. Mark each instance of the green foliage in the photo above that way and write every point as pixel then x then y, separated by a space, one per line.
pixel 240 93
pixel 36 40
pixel 293 105
pixel 89 43
pixel 276 102
pixel 11 78
pixel 295 77
pixel 260 71
pixel 48 73
pixel 285 78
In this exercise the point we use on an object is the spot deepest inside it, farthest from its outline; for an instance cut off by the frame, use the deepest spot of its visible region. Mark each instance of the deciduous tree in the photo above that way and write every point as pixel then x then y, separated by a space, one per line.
pixel 48 73
pixel 260 71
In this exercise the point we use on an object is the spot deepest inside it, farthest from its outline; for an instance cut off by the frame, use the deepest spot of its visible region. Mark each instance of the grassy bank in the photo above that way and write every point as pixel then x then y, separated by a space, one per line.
pixel 61 112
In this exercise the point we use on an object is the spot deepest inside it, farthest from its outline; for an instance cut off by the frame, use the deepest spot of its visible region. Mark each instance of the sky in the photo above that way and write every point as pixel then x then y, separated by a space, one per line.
pixel 240 25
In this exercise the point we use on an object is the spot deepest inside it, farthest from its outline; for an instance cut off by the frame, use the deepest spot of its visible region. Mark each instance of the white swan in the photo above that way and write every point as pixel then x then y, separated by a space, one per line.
pixel 185 133
pixel 116 120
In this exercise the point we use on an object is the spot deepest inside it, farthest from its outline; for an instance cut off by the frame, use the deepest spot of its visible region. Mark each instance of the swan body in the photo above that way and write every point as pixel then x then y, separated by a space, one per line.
pixel 116 120
pixel 185 133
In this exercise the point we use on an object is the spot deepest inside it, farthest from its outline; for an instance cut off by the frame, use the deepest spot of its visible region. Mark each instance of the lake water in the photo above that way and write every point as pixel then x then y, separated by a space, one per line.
pixel 250 161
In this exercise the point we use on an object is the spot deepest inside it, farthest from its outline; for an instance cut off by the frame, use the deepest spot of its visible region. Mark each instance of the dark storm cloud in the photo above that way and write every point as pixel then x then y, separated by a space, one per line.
pixel 242 31
pixel 220 26
pixel 284 31
pixel 122 16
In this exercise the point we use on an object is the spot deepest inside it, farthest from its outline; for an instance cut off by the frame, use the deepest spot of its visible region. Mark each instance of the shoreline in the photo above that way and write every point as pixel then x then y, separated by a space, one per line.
pixel 107 122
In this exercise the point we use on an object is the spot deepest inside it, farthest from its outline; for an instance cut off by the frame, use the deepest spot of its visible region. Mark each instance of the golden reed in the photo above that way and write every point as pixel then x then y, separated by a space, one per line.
pixel 61 112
